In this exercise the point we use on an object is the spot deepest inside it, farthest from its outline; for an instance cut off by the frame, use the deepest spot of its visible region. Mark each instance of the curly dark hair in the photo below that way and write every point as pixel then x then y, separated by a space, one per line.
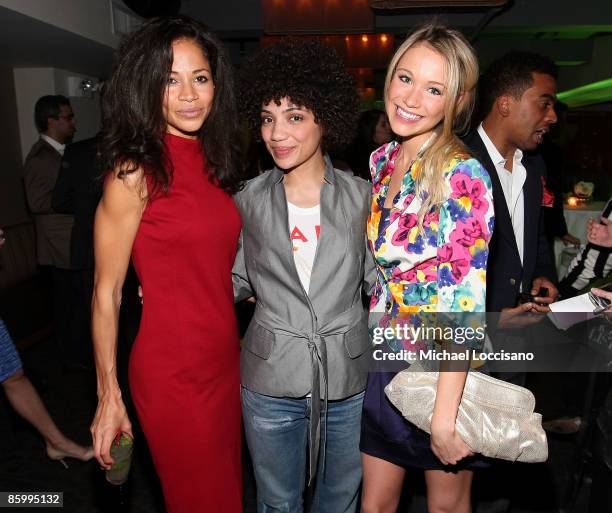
pixel 511 74
pixel 133 121
pixel 312 76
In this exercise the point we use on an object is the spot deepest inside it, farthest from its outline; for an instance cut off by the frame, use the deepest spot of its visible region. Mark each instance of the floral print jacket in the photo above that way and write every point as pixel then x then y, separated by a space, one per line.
pixel 444 270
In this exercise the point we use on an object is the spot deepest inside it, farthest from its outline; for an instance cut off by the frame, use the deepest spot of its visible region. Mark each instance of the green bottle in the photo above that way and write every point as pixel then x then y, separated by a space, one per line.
pixel 121 452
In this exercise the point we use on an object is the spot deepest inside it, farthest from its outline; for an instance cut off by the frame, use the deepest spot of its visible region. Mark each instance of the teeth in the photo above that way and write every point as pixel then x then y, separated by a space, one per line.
pixel 408 115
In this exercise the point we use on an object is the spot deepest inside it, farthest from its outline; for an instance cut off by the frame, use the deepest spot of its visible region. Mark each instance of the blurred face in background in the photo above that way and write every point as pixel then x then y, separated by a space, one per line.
pixel 190 91
pixel 416 96
pixel 290 133
pixel 63 127
pixel 382 131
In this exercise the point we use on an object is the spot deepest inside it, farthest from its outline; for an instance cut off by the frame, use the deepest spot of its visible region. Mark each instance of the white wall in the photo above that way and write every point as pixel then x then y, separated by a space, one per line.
pixel 31 84
pixel 88 18
pixel 86 109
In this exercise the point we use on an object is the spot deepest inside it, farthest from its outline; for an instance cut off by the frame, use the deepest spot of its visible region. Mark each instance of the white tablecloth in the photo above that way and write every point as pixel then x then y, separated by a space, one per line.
pixel 576 219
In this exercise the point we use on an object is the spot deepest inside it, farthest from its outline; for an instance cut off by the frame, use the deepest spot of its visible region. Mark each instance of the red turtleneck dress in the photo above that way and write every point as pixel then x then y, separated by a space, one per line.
pixel 184 368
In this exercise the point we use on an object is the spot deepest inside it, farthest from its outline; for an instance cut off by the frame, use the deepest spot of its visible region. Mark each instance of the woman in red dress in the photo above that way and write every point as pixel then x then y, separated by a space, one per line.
pixel 169 132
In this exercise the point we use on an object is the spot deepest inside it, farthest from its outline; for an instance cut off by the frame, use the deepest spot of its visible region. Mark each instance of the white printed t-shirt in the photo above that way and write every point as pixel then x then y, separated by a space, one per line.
pixel 304 229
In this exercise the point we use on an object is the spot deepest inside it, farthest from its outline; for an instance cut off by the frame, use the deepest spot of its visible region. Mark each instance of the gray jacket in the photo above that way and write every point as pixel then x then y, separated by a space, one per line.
pixel 287 321
pixel 296 342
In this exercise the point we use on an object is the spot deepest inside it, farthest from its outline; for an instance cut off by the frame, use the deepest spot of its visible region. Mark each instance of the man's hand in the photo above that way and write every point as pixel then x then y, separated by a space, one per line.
pixel 520 316
pixel 544 282
pixel 606 295
pixel 2 239
pixel 569 240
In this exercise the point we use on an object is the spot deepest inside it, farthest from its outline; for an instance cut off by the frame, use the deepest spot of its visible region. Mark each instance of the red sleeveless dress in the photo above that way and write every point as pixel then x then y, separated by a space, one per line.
pixel 184 367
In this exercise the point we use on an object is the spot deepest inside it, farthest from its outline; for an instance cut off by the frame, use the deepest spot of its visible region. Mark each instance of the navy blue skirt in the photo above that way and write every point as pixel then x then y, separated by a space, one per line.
pixel 387 435
pixel 10 362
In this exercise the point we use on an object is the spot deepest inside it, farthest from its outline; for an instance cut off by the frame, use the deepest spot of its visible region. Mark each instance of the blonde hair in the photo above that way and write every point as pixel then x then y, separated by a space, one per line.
pixel 461 68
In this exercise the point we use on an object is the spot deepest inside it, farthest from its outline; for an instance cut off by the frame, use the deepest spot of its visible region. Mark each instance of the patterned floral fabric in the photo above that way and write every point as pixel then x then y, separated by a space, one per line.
pixel 443 270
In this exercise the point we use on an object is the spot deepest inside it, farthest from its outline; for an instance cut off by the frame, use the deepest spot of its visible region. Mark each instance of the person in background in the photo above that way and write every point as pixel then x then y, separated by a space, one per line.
pixel 428 194
pixel 77 192
pixel 594 262
pixel 600 233
pixel 25 400
pixel 304 257
pixel 169 146
pixel 519 96
pixel 373 131
pixel 56 124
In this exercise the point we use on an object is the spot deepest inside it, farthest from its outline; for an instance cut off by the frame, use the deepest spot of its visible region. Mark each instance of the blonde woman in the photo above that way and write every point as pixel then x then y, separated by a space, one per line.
pixel 429 228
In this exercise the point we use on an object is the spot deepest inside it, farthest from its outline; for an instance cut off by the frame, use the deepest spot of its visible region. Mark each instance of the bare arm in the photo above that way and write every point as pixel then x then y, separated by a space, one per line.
pixel 470 288
pixel 116 224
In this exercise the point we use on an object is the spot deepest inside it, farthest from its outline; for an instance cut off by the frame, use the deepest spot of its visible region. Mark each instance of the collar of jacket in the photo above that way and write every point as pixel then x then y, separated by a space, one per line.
pixel 279 174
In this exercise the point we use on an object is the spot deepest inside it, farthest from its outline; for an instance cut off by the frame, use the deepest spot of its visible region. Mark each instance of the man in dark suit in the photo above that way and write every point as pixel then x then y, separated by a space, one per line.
pixel 519 96
pixel 55 122
pixel 77 192
pixel 519 93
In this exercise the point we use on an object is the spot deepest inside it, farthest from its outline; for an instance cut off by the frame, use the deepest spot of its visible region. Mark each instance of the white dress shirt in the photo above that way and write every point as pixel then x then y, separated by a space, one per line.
pixel 59 147
pixel 512 183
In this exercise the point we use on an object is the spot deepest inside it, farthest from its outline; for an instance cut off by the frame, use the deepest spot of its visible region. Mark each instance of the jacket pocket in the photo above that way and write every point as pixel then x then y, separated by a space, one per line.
pixel 357 340
pixel 259 340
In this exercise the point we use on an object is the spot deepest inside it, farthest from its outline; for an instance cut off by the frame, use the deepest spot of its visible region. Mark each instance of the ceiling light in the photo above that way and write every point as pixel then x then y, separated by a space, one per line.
pixel 597 92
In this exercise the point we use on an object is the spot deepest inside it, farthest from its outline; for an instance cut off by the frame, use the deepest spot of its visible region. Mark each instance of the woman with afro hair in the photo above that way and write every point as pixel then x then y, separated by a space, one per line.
pixel 303 256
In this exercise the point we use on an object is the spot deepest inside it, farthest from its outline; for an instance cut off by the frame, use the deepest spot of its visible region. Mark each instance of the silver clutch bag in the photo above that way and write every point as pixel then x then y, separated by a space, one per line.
pixel 495 418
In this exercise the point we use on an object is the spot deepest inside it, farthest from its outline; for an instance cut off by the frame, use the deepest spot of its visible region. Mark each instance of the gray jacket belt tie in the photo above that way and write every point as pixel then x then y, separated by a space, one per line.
pixel 316 341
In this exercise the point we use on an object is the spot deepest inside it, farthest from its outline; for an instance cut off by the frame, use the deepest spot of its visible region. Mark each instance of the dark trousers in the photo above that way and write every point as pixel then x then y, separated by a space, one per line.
pixel 71 313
